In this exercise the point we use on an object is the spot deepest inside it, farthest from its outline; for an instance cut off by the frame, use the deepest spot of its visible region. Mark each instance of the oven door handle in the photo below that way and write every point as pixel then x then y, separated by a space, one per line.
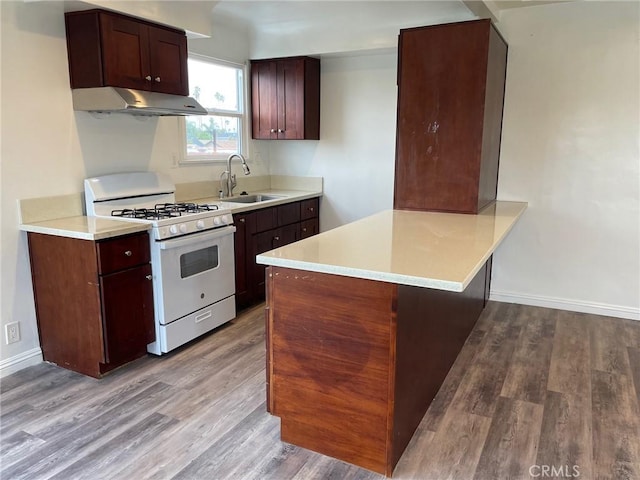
pixel 196 238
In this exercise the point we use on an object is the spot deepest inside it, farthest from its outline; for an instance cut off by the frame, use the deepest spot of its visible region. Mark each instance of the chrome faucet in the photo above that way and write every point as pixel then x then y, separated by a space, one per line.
pixel 230 182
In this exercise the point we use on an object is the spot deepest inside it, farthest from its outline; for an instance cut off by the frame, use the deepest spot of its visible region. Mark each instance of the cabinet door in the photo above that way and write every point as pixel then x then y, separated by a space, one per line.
pixel 125 50
pixel 264 118
pixel 168 59
pixel 310 227
pixel 127 314
pixel 245 262
pixel 290 93
pixel 265 241
pixel 262 242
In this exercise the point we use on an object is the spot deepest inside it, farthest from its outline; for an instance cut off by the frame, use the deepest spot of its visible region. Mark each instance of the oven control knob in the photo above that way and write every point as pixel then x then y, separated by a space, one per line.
pixel 227 219
pixel 217 220
pixel 173 229
pixel 183 228
pixel 200 224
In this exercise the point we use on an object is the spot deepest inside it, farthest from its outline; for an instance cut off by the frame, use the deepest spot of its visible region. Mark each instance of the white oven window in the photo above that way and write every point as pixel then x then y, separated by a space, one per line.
pixel 198 261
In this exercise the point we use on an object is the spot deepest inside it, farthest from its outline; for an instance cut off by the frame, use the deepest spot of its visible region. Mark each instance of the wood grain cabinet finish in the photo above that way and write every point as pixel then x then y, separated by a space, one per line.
pixel 110 49
pixel 94 300
pixel 262 230
pixel 245 225
pixel 285 98
pixel 450 96
pixel 353 364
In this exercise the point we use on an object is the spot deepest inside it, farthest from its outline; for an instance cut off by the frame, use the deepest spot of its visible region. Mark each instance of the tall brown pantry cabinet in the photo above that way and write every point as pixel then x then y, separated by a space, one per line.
pixel 451 82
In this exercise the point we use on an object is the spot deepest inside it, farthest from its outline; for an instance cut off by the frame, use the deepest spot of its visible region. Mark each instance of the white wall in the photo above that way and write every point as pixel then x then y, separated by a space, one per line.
pixel 357 148
pixel 570 148
pixel 47 149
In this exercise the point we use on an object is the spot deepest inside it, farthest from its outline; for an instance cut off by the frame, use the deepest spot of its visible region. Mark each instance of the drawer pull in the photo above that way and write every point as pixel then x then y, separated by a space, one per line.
pixel 304 229
pixel 311 209
pixel 203 316
pixel 149 277
pixel 277 238
pixel 242 220
pixel 128 253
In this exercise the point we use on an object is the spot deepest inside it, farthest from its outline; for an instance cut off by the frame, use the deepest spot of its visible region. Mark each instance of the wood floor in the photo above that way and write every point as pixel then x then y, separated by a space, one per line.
pixel 534 391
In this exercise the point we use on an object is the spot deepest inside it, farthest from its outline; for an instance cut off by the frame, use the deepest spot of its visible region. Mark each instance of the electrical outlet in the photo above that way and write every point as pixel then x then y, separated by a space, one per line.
pixel 12 332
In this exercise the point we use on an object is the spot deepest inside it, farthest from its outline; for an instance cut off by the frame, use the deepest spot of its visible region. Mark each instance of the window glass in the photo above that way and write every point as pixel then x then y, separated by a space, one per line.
pixel 219 88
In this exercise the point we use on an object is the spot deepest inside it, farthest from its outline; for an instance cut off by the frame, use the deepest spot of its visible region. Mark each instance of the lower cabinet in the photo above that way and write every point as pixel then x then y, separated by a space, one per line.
pixel 127 299
pixel 94 300
pixel 262 230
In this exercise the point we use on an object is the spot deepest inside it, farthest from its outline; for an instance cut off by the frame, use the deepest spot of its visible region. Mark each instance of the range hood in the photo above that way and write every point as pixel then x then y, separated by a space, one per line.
pixel 134 102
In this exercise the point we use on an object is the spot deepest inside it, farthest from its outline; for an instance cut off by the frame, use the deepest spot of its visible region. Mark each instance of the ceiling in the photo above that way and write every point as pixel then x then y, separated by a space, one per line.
pixel 291 16
pixel 296 15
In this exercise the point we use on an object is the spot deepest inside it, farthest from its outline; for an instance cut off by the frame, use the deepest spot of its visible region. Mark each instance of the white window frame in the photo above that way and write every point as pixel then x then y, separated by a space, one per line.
pixel 195 159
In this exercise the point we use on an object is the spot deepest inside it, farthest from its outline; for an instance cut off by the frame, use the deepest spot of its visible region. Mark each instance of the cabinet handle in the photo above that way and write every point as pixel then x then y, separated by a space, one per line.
pixel 304 229
pixel 311 209
pixel 276 238
pixel 149 277
pixel 242 220
pixel 128 253
pixel 148 78
pixel 280 130
pixel 158 79
pixel 273 130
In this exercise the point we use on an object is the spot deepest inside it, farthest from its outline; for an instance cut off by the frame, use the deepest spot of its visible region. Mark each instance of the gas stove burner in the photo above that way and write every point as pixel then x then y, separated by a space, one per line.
pixel 142 213
pixel 163 210
pixel 184 208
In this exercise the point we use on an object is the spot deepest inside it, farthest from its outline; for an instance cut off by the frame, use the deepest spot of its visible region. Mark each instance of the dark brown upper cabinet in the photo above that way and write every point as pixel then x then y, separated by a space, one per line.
pixel 450 95
pixel 109 49
pixel 285 99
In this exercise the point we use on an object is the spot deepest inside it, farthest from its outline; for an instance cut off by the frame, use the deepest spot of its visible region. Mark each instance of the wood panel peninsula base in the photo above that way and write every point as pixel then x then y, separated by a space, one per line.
pixel 354 364
pixel 360 338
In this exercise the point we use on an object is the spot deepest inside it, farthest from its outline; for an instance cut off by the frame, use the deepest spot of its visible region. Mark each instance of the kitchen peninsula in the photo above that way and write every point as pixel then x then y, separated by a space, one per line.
pixel 364 322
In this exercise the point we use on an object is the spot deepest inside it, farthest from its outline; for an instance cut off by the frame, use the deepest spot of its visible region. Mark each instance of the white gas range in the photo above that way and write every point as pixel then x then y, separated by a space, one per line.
pixel 192 255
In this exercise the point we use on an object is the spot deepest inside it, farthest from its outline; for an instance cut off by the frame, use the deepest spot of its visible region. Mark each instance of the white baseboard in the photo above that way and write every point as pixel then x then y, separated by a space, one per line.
pixel 566 304
pixel 20 361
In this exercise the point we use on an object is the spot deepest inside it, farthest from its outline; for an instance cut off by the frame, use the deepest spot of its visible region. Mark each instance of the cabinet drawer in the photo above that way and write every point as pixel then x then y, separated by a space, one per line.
pixel 309 208
pixel 288 214
pixel 123 252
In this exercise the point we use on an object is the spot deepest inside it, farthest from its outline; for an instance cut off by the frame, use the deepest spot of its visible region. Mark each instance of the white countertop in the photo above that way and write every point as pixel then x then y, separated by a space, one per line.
pixel 85 228
pixel 424 249
pixel 91 228
pixel 288 196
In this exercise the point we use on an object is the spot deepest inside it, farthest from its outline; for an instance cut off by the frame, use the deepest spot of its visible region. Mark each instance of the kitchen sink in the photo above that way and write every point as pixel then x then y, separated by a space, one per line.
pixel 252 198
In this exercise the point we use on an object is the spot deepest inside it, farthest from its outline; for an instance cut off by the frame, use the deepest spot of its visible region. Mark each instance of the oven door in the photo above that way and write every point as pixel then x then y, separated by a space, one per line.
pixel 194 271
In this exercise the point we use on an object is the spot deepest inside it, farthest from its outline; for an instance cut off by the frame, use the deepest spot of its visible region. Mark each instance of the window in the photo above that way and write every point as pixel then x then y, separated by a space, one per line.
pixel 219 87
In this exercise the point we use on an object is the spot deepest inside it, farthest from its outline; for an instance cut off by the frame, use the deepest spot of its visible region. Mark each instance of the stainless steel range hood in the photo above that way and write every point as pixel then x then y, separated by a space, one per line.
pixel 134 102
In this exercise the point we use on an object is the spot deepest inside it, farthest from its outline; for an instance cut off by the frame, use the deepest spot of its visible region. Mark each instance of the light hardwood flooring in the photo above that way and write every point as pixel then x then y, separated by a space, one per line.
pixel 533 389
